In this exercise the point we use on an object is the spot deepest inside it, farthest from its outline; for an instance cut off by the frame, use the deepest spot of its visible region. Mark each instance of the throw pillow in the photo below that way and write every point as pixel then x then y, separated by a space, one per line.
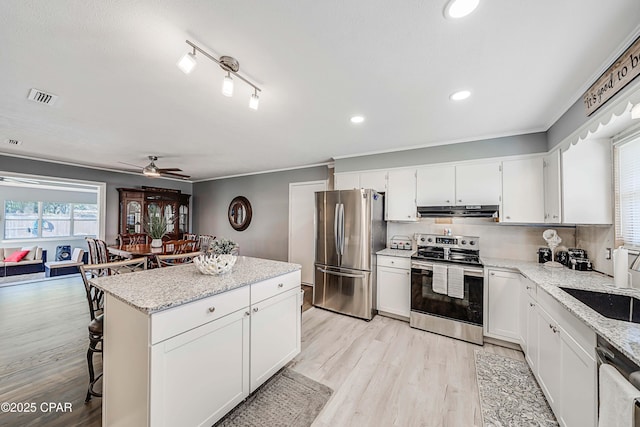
pixel 32 252
pixel 16 256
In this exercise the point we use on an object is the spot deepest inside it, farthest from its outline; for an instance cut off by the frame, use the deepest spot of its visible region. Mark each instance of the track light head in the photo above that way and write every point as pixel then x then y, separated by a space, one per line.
pixel 254 101
pixel 227 85
pixel 188 62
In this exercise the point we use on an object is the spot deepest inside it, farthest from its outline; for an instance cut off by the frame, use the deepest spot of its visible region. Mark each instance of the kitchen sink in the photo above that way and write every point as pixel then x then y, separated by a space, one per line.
pixel 618 307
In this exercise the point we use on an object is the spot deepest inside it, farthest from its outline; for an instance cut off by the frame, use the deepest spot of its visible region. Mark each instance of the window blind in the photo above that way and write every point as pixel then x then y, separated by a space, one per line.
pixel 628 193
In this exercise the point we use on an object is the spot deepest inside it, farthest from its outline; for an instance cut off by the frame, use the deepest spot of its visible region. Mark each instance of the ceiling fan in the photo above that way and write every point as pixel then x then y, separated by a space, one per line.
pixel 153 171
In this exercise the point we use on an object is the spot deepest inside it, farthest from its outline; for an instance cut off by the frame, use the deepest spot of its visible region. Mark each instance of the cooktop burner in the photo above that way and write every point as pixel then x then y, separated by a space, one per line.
pixel 457 249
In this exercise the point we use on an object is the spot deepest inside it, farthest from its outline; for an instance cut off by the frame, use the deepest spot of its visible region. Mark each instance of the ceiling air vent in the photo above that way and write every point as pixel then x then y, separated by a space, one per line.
pixel 42 97
pixel 13 142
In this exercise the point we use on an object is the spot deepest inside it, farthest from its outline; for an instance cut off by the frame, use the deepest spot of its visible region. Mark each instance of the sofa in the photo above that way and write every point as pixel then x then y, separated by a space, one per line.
pixel 32 262
pixel 70 266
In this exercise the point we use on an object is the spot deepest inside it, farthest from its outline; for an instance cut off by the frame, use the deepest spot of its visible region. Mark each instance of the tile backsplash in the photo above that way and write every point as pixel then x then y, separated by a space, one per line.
pixel 496 240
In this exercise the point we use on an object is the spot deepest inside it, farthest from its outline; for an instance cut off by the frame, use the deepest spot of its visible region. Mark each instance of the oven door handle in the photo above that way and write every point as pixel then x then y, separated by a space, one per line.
pixel 476 272
pixel 604 355
pixel 336 273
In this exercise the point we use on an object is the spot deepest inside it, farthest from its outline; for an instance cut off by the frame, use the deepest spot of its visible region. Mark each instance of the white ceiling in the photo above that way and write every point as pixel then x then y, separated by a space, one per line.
pixel 121 96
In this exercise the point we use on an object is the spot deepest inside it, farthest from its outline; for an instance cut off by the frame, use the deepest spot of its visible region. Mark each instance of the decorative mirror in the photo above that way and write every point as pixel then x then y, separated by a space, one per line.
pixel 240 213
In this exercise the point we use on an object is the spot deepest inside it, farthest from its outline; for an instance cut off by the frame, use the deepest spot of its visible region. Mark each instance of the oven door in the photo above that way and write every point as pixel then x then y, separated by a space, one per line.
pixel 425 300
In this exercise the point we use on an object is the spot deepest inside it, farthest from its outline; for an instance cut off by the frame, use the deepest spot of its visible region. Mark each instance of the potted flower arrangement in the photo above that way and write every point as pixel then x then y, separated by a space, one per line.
pixel 157 226
pixel 223 246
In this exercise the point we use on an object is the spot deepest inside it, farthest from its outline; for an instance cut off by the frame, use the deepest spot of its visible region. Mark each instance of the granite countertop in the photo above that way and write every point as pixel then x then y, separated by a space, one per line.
pixel 401 253
pixel 625 336
pixel 161 288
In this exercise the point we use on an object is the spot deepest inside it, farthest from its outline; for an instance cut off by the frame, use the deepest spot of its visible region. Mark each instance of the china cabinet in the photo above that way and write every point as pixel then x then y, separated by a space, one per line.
pixel 136 204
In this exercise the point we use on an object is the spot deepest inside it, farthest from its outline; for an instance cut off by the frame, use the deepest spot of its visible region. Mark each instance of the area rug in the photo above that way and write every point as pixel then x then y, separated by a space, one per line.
pixel 509 393
pixel 287 399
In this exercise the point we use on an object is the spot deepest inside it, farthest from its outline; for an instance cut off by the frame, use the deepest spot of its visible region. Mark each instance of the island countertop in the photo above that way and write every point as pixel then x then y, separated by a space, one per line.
pixel 161 288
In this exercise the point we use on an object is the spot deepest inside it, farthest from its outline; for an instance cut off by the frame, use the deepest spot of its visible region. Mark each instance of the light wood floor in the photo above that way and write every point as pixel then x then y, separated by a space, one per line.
pixel 385 373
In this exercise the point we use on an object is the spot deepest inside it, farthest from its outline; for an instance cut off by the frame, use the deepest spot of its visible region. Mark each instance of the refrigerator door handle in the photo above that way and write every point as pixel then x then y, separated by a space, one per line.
pixel 336 273
pixel 336 227
pixel 341 229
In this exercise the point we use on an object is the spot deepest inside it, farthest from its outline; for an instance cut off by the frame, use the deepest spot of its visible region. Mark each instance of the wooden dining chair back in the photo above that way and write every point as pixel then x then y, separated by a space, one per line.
pixel 190 236
pixel 133 239
pixel 95 298
pixel 204 241
pixel 179 246
pixel 176 259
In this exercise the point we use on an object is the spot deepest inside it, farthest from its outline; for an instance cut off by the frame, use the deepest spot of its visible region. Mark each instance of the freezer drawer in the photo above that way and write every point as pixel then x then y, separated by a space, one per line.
pixel 344 291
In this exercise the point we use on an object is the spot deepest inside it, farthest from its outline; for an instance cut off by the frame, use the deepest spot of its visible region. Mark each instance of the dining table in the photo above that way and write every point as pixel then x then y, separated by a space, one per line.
pixel 137 251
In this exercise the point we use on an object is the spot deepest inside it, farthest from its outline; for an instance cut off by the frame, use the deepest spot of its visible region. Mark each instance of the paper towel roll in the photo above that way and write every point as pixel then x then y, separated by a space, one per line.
pixel 621 267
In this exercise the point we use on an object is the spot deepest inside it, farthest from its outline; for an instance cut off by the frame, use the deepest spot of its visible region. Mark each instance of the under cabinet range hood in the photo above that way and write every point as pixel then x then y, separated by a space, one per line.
pixel 470 211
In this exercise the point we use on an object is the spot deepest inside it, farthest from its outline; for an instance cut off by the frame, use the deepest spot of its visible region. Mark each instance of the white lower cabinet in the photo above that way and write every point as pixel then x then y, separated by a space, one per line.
pixel 503 305
pixel 394 285
pixel 275 335
pixel 560 350
pixel 191 369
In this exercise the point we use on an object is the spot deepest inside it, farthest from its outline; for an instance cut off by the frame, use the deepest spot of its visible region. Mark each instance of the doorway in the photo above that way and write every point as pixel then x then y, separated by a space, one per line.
pixel 302 225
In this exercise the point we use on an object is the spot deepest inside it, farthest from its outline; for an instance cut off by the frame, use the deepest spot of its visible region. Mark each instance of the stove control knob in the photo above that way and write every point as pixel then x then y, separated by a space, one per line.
pixel 422 239
pixel 464 242
pixel 472 242
pixel 429 240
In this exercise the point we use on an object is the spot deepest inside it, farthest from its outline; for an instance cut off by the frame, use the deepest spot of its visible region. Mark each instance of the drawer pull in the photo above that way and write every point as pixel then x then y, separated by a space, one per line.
pixel 493 274
pixel 531 304
pixel 212 309
pixel 255 309
pixel 280 285
pixel 528 287
pixel 246 313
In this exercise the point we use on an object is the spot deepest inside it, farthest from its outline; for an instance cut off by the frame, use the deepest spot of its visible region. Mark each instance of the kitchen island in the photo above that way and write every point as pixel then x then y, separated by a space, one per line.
pixel 183 348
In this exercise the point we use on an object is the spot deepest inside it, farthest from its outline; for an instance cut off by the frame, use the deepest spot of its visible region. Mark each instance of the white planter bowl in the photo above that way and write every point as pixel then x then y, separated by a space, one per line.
pixel 214 264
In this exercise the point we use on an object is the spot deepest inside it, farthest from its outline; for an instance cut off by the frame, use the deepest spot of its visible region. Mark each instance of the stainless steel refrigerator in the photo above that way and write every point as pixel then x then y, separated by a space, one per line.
pixel 350 229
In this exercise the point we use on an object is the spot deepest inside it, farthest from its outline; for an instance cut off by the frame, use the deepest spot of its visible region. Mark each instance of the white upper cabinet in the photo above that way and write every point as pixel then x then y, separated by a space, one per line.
pixel 522 191
pixel 436 186
pixel 401 195
pixel 478 184
pixel 369 179
pixel 374 179
pixel 552 192
pixel 587 183
pixel 346 181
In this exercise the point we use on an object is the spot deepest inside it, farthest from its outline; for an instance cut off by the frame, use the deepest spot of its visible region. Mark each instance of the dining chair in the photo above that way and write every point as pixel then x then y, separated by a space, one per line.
pixel 190 236
pixel 204 240
pixel 95 298
pixel 176 259
pixel 133 239
pixel 179 246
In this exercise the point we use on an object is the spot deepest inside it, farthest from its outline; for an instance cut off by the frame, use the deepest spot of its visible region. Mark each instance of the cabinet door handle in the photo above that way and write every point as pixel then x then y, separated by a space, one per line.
pixel 212 309
pixel 531 304
pixel 280 285
pixel 508 217
pixel 493 274
pixel 555 216
pixel 459 200
pixel 528 287
pixel 447 201
pixel 408 273
pixel 246 313
pixel 255 309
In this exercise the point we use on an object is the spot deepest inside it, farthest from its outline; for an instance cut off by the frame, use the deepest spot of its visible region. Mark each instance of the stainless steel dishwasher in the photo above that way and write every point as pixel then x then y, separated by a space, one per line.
pixel 608 354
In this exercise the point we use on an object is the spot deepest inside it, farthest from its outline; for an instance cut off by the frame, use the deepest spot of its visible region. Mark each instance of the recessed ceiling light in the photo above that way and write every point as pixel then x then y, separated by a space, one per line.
pixel 460 95
pixel 460 8
pixel 357 119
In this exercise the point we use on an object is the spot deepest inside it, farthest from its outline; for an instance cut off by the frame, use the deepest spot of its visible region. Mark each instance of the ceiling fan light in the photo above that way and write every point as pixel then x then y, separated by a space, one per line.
pixel 254 101
pixel 227 86
pixel 460 8
pixel 187 63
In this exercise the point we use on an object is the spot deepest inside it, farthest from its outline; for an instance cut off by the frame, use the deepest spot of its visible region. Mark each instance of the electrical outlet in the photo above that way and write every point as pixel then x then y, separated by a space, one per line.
pixel 608 253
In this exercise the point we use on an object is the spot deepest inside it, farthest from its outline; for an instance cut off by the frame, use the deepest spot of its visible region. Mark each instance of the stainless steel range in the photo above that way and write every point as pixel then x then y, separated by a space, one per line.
pixel 447 286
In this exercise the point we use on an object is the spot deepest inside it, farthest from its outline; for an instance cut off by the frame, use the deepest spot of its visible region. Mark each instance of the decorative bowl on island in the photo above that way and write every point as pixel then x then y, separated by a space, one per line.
pixel 215 264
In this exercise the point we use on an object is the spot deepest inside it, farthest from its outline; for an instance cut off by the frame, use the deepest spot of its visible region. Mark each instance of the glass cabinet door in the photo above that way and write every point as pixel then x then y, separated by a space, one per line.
pixel 183 219
pixel 168 216
pixel 134 220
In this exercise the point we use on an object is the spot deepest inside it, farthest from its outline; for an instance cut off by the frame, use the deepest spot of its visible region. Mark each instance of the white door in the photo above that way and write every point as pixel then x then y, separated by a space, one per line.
pixel 394 290
pixel 436 186
pixel 374 179
pixel 346 181
pixel 522 191
pixel 552 193
pixel 401 195
pixel 503 304
pixel 302 226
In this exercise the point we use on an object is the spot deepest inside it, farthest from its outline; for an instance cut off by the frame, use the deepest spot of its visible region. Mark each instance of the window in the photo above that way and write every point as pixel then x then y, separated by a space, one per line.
pixel 627 155
pixel 34 220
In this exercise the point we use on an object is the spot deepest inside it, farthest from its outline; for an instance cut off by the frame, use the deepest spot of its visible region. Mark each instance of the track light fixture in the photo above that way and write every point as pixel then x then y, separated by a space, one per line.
pixel 229 64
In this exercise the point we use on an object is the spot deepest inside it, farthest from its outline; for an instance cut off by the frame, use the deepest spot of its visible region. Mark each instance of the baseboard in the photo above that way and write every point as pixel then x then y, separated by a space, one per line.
pixel 501 343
